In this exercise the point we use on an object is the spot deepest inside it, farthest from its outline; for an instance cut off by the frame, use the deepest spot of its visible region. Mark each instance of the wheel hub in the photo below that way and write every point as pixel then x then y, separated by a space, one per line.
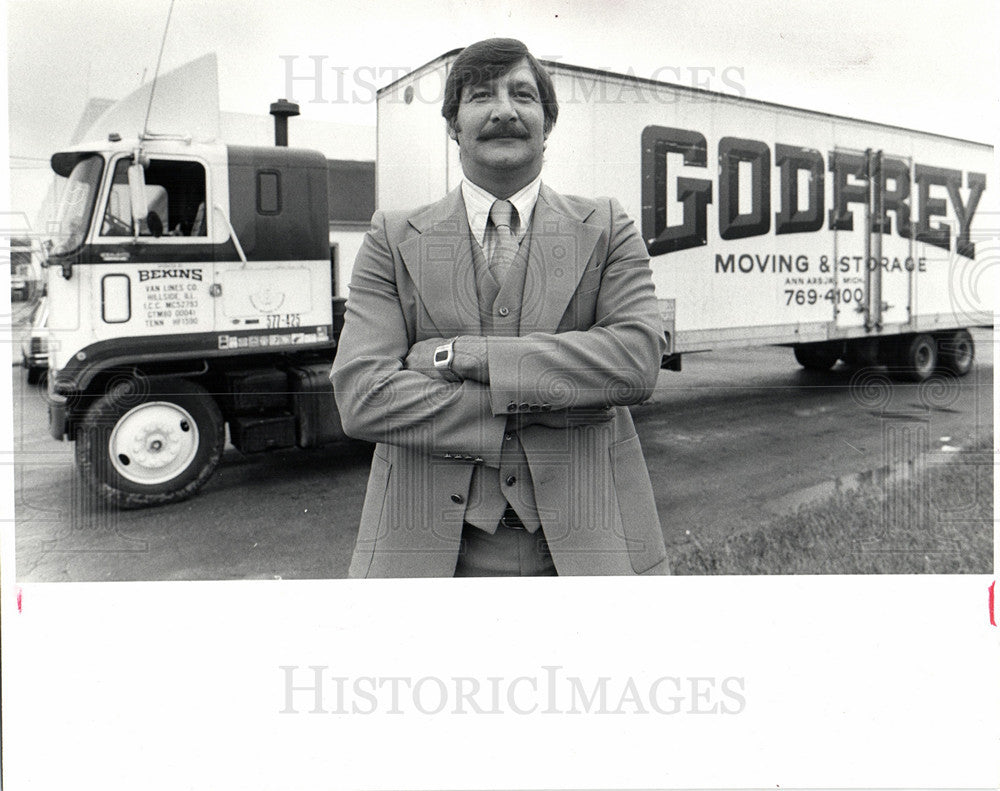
pixel 153 442
pixel 156 446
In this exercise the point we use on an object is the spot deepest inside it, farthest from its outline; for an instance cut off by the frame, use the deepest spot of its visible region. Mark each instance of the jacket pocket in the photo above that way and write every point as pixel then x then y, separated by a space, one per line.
pixel 636 505
pixel 372 515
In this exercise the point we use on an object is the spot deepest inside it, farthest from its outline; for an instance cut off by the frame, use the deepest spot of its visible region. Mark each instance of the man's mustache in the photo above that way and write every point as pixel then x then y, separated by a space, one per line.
pixel 506 129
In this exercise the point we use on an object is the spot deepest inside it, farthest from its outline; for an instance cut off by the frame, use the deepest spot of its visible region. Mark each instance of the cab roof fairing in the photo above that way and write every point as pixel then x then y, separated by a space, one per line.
pixel 65 160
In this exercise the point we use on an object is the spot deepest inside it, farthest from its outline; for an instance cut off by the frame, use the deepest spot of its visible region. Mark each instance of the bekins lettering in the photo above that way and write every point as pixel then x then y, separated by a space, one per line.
pixel 156 274
pixel 846 169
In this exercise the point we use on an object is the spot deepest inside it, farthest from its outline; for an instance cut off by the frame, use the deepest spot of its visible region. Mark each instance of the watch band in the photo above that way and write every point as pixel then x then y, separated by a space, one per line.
pixel 444 355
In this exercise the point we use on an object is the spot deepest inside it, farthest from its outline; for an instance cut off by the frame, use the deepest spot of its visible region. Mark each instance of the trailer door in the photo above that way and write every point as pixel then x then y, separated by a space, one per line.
pixel 891 243
pixel 850 220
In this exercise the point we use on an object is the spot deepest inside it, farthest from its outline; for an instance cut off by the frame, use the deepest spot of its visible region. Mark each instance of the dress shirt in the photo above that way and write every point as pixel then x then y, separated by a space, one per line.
pixel 478 203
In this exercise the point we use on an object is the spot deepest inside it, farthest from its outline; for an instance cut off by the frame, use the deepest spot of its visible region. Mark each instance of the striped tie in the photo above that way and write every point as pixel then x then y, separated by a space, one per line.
pixel 503 216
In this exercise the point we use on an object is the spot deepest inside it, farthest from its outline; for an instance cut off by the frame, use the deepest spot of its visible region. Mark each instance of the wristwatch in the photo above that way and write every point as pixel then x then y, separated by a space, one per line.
pixel 444 355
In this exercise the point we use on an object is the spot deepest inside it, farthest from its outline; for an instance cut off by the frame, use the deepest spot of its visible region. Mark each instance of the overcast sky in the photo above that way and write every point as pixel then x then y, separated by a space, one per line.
pixel 926 65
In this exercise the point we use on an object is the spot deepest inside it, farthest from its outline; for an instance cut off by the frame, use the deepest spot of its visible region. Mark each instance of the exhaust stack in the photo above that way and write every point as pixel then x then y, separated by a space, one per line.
pixel 282 110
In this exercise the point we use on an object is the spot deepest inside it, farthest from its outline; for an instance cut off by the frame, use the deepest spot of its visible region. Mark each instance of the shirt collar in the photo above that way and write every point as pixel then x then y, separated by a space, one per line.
pixel 478 203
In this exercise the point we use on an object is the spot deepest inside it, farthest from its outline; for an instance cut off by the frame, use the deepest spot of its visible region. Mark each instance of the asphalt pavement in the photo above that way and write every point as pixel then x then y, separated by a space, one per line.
pixel 736 438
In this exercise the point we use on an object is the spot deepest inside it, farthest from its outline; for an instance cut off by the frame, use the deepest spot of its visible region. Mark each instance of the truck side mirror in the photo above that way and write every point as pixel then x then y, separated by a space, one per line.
pixel 137 194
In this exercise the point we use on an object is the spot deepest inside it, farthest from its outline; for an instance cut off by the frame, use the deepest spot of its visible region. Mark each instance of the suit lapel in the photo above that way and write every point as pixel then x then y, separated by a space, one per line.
pixel 561 247
pixel 439 260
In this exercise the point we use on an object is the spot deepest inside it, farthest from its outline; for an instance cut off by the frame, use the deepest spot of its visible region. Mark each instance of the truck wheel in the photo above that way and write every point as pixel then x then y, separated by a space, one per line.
pixel 817 357
pixel 916 356
pixel 145 449
pixel 956 352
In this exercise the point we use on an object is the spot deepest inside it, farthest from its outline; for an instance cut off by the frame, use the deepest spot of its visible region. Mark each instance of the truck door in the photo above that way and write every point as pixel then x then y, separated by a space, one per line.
pixel 873 245
pixel 156 283
pixel 850 219
pixel 891 240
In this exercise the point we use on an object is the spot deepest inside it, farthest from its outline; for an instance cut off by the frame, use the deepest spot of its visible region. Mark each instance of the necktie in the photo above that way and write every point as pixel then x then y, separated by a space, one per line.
pixel 503 216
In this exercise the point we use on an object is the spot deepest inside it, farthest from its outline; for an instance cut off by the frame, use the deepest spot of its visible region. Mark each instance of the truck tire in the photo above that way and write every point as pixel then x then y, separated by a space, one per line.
pixel 916 357
pixel 956 352
pixel 817 357
pixel 138 449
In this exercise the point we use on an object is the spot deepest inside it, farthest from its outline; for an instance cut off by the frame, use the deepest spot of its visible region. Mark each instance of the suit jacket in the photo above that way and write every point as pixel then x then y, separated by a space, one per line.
pixel 590 336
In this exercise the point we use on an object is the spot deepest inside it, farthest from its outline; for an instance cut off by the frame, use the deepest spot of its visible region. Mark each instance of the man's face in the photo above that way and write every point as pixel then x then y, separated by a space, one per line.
pixel 500 130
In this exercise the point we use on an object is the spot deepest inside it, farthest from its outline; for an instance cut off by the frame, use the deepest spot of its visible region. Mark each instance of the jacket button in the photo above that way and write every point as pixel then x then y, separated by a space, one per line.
pixel 508 436
pixel 457 498
pixel 524 406
pixel 511 407
pixel 503 311
pixel 511 480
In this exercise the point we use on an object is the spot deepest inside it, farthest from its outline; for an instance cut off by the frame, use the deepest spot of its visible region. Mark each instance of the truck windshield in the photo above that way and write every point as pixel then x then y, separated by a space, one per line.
pixel 76 206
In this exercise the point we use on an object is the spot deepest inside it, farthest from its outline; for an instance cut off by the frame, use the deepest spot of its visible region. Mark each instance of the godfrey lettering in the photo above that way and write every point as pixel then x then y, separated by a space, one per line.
pixel 906 193
pixel 156 274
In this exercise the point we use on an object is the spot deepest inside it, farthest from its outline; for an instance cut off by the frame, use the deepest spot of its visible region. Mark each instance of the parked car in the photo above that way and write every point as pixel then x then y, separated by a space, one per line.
pixel 35 345
pixel 23 281
pixel 18 288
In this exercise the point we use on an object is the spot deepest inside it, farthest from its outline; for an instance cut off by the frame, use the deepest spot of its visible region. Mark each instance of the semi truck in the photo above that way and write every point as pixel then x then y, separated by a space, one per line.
pixel 192 288
pixel 765 224
pixel 195 287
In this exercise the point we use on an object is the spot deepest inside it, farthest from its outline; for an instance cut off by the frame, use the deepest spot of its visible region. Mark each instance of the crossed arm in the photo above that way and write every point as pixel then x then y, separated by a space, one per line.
pixel 389 391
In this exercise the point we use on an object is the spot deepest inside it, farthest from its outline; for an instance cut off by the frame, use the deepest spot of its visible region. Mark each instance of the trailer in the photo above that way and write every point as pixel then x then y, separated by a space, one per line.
pixel 765 224
pixel 194 288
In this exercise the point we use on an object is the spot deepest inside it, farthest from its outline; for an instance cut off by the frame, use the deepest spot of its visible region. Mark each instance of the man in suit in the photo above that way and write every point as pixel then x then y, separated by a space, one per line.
pixel 491 345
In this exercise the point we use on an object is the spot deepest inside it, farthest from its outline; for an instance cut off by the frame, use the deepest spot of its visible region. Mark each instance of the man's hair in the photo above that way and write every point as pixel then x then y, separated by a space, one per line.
pixel 487 60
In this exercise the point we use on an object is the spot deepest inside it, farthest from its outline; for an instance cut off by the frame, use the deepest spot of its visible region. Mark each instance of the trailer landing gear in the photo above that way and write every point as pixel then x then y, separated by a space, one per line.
pixel 140 448
pixel 818 356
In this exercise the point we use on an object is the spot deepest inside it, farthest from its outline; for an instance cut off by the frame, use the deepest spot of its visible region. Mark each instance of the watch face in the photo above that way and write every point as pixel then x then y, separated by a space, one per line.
pixel 440 355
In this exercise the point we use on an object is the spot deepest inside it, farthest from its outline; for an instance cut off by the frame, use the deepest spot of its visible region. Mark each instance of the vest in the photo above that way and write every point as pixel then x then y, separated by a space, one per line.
pixel 500 315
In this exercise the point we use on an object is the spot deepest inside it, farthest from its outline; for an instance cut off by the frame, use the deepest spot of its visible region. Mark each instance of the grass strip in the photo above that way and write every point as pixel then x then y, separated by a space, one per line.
pixel 938 521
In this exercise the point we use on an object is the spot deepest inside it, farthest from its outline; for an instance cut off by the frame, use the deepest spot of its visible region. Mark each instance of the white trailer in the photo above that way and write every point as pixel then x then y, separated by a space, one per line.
pixel 765 224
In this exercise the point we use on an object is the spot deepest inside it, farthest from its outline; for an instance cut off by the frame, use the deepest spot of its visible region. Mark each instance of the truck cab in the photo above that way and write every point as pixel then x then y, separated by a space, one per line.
pixel 175 271
pixel 222 248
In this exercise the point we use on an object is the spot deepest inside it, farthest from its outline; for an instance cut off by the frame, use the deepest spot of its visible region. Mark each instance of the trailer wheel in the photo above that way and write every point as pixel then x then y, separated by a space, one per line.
pixel 916 356
pixel 819 357
pixel 137 449
pixel 956 352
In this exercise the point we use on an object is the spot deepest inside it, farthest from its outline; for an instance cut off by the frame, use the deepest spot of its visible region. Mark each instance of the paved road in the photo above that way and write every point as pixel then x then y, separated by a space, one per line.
pixel 733 440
